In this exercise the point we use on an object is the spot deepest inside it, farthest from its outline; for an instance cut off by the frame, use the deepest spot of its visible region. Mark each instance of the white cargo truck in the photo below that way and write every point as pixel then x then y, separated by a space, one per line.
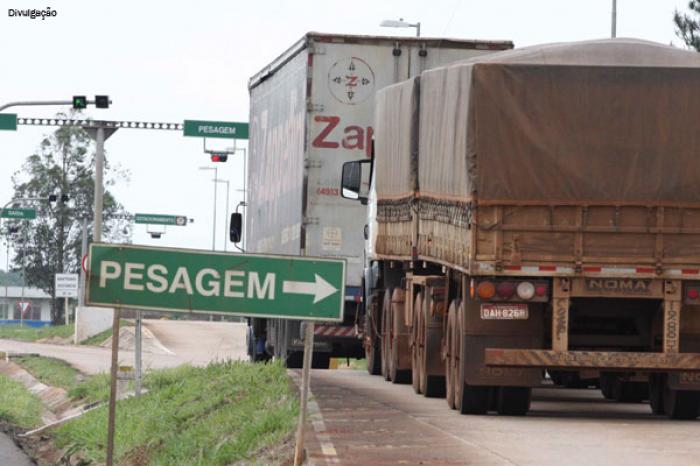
pixel 311 110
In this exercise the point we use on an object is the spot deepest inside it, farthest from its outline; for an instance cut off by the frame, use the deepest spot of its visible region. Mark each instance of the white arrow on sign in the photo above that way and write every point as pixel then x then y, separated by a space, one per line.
pixel 321 289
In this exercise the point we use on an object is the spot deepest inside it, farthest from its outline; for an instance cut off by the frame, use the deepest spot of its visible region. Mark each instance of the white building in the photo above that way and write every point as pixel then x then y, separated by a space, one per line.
pixel 30 305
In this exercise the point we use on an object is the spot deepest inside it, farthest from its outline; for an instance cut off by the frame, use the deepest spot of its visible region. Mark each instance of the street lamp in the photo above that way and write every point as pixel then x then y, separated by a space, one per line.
pixel 227 214
pixel 391 23
pixel 213 233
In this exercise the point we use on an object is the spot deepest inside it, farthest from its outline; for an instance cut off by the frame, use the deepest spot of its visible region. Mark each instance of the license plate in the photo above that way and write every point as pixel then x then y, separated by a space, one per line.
pixel 504 312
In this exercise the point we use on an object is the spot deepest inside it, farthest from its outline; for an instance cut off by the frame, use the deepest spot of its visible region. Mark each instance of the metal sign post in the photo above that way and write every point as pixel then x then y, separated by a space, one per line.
pixel 113 388
pixel 305 382
pixel 137 355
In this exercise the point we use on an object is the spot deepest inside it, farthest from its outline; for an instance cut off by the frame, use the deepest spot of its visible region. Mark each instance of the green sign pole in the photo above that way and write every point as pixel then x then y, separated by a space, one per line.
pixel 157 219
pixel 18 214
pixel 215 129
pixel 181 280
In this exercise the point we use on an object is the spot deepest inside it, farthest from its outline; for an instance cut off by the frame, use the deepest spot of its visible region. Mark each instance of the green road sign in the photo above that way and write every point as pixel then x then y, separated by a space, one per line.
pixel 186 280
pixel 20 214
pixel 8 121
pixel 216 129
pixel 156 219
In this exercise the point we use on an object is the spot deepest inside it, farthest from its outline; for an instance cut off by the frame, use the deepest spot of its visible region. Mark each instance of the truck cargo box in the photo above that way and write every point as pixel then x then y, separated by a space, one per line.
pixel 312 109
pixel 564 156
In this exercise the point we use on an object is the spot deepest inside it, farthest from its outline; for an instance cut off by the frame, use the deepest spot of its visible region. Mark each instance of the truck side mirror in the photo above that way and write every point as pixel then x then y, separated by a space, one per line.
pixel 236 227
pixel 353 183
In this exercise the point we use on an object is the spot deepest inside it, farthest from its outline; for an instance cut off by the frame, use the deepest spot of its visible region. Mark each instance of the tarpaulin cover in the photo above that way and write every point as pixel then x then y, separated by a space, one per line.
pixel 396 140
pixel 602 121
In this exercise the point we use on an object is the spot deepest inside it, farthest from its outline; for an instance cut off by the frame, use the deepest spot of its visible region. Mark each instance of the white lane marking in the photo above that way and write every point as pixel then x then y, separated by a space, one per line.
pixel 316 418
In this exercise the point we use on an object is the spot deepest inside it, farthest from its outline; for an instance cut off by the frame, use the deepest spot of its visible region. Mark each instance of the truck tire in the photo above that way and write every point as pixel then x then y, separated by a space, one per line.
pixel 469 399
pixel 295 359
pixel 681 404
pixel 373 340
pixel 451 358
pixel 415 345
pixel 320 361
pixel 250 343
pixel 513 401
pixel 429 339
pixel 386 333
pixel 607 385
pixel 395 320
pixel 656 393
pixel 630 392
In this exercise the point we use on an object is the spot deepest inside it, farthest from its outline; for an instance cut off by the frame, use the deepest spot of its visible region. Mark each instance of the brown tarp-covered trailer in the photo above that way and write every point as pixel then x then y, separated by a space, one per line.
pixel 579 153
pixel 396 127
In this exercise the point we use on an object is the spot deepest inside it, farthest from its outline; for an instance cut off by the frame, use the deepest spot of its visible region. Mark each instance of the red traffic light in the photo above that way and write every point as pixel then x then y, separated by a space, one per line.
pixel 219 157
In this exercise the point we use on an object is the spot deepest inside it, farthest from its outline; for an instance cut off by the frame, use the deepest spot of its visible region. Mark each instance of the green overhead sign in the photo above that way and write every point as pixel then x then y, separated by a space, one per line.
pixel 8 121
pixel 156 219
pixel 216 129
pixel 19 214
pixel 185 280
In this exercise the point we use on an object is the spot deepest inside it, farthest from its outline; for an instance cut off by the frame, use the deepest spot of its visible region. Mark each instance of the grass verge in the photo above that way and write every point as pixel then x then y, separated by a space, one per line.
pixel 24 333
pixel 215 415
pixel 17 406
pixel 50 371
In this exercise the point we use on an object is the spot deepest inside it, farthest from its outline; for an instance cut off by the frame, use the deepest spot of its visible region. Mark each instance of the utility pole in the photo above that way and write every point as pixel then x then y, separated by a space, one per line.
pixel 213 230
pixel 83 253
pixel 227 219
pixel 613 32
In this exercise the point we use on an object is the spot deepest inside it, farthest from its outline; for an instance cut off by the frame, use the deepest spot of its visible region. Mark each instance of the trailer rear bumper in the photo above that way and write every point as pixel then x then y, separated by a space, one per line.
pixel 559 356
pixel 619 361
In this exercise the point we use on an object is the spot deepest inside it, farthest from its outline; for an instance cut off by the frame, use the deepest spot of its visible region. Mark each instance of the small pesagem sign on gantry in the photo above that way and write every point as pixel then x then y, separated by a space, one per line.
pixel 184 280
pixel 215 129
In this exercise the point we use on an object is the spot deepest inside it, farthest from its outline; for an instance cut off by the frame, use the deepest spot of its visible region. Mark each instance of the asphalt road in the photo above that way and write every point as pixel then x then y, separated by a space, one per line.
pixel 196 343
pixel 11 455
pixel 372 422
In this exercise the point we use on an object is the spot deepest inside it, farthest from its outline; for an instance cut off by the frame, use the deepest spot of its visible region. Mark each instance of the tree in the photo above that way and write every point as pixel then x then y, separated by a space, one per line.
pixel 62 165
pixel 687 27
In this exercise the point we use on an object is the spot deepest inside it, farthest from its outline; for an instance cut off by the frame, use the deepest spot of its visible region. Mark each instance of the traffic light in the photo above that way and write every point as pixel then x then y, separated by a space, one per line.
pixel 102 101
pixel 216 157
pixel 79 102
pixel 54 197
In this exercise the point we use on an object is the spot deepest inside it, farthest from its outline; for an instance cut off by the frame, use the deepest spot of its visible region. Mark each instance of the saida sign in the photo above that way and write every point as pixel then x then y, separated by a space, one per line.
pixel 182 280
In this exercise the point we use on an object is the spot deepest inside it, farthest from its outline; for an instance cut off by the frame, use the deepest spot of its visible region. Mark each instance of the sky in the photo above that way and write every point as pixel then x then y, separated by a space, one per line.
pixel 169 61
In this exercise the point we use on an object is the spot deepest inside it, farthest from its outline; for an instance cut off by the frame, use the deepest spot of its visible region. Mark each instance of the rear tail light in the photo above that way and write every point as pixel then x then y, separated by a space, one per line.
pixel 540 290
pixel 526 290
pixel 505 290
pixel 486 290
pixel 691 293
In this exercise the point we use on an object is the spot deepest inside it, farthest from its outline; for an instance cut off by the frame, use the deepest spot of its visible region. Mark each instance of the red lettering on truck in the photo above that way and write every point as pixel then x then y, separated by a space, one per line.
pixel 320 140
pixel 354 137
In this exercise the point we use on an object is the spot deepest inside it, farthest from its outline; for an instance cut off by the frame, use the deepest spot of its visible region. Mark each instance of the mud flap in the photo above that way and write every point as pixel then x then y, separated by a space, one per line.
pixel 477 373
